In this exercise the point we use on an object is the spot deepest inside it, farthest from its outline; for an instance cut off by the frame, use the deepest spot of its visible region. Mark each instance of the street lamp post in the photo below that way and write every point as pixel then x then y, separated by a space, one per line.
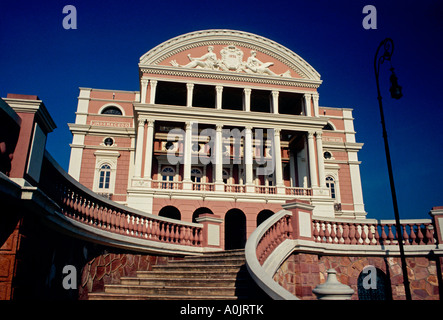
pixel 388 46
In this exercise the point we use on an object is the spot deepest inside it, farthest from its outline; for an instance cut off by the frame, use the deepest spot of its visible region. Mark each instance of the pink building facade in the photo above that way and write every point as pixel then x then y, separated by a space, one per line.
pixel 226 123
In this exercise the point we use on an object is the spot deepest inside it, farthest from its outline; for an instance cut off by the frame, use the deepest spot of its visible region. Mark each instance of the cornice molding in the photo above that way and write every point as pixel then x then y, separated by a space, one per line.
pixel 230 76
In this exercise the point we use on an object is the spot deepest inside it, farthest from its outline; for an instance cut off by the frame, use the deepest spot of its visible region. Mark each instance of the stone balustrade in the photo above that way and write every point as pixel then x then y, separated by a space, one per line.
pixel 273 237
pixel 373 232
pixel 82 205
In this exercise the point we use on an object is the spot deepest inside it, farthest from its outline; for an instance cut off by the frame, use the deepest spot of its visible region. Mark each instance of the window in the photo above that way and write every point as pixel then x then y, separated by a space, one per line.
pixel 327 155
pixel 108 142
pixel 196 175
pixel 105 177
pixel 330 183
pixel 112 110
pixel 168 174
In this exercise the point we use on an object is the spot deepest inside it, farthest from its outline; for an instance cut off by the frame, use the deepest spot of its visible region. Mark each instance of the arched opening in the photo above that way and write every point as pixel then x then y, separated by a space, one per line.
pixel 199 212
pixel 170 212
pixel 112 110
pixel 373 284
pixel 235 229
pixel 263 215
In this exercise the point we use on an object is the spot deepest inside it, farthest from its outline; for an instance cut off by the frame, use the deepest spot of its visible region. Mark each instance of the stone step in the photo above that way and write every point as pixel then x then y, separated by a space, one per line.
pixel 211 274
pixel 181 282
pixel 220 254
pixel 117 296
pixel 209 261
pixel 171 291
pixel 197 267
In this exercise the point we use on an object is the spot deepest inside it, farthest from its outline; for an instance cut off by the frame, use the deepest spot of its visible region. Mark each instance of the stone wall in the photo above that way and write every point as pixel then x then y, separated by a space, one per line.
pixel 302 272
pixel 108 268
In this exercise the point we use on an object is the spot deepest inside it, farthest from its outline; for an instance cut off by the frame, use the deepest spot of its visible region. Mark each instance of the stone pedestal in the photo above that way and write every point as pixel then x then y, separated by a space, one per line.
pixel 332 289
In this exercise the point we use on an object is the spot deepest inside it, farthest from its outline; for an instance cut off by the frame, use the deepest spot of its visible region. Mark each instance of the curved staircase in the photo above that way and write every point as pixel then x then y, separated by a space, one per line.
pixel 212 276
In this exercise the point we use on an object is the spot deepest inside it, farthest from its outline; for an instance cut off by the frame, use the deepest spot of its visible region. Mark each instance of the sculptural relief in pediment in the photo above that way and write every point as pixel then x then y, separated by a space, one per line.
pixel 231 59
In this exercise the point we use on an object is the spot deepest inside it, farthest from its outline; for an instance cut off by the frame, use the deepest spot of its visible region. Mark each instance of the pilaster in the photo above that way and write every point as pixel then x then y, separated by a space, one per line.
pixel 143 90
pixel 153 84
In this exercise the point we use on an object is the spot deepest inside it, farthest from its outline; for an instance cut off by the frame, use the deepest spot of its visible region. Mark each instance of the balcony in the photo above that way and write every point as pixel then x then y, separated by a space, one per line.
pixel 231 188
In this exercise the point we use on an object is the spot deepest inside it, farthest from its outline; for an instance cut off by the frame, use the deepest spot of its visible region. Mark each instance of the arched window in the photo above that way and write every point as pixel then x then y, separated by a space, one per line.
pixel 196 175
pixel 373 284
pixel 112 110
pixel 263 215
pixel 105 177
pixel 330 183
pixel 168 174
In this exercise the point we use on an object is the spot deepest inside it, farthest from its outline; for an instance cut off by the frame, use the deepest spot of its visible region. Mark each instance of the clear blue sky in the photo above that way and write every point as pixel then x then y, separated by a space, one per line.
pixel 38 56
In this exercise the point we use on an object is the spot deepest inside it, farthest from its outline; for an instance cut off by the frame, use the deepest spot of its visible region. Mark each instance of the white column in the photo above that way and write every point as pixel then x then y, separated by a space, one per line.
pixel 248 159
pixel 247 99
pixel 274 101
pixel 218 101
pixel 139 148
pixel 149 150
pixel 190 90
pixel 307 104
pixel 321 163
pixel 277 160
pixel 219 158
pixel 143 90
pixel 315 97
pixel 187 156
pixel 312 165
pixel 153 84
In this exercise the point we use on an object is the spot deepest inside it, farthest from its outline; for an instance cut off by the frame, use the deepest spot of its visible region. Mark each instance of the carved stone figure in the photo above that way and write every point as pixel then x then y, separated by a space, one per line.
pixel 231 60
pixel 207 61
pixel 253 65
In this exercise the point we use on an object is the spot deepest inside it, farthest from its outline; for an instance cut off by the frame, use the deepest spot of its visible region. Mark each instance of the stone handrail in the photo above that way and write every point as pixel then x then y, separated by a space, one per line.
pixel 87 208
pixel 260 245
pixel 372 232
